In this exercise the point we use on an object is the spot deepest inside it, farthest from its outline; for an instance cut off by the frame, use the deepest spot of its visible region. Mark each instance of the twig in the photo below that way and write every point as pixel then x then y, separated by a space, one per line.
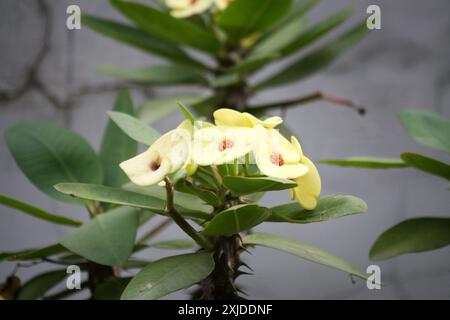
pixel 63 263
pixel 201 240
pixel 319 95
pixel 156 230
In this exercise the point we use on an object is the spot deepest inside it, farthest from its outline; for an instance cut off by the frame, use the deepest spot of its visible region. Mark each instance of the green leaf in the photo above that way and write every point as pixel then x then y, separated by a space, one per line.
pixel 107 239
pixel 205 179
pixel 205 195
pixel 254 197
pixel 367 162
pixel 164 26
pixel 168 275
pixel 225 80
pixel 413 235
pixel 243 17
pixel 253 63
pixel 111 288
pixel 186 113
pixel 175 244
pixel 32 254
pixel 153 110
pixel 328 208
pixel 116 146
pixel 317 59
pixel 157 75
pixel 36 212
pixel 279 39
pixel 140 39
pixel 134 128
pixel 111 195
pixel 315 32
pixel 40 284
pixel 246 185
pixel 236 219
pixel 427 164
pixel 183 201
pixel 303 250
pixel 49 154
pixel 299 9
pixel 427 128
pixel 122 197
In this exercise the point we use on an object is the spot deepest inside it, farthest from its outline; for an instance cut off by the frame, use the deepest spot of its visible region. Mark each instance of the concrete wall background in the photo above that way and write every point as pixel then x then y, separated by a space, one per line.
pixel 404 65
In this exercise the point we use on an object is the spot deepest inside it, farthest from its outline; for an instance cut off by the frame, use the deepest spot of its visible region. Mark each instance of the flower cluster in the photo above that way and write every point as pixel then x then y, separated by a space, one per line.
pixel 187 8
pixel 237 138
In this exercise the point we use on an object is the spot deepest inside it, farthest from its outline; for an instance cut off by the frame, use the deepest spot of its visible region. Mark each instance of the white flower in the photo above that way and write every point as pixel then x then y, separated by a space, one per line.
pixel 187 8
pixel 168 154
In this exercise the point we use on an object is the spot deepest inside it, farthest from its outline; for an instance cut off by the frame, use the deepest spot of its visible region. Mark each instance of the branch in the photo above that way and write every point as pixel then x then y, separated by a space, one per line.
pixel 200 239
pixel 319 95
pixel 156 230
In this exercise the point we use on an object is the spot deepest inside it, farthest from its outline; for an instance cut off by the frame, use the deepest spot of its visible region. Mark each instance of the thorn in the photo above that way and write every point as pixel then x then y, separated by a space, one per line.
pixel 247 266
pixel 352 278
pixel 361 111
pixel 242 273
pixel 242 291
pixel 245 249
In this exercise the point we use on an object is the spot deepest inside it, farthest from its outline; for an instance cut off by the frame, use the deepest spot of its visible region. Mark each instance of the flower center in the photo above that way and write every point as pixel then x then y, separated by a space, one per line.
pixel 276 159
pixel 226 144
pixel 193 2
pixel 155 164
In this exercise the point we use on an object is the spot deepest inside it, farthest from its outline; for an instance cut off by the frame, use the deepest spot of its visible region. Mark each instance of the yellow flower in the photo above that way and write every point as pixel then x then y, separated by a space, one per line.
pixel 187 8
pixel 232 118
pixel 170 153
pixel 275 156
pixel 220 145
pixel 309 185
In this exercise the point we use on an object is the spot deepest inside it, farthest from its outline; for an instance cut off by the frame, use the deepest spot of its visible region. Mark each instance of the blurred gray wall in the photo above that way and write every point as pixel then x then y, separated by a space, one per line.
pixel 404 65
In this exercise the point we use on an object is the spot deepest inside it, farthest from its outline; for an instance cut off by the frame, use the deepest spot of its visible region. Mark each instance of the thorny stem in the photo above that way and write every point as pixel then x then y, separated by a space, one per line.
pixel 201 240
pixel 319 95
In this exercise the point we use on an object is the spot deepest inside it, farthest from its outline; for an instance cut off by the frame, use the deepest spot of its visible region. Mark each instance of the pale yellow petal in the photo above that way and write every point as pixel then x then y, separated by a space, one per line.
pixel 287 171
pixel 275 156
pixel 174 4
pixel 309 186
pixel 191 8
pixel 219 145
pixel 271 122
pixel 282 145
pixel 146 168
pixel 231 118
pixel 167 155
pixel 270 141
pixel 297 146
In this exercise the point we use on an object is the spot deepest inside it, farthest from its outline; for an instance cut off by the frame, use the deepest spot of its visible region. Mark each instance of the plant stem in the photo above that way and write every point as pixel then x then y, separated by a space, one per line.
pixel 220 284
pixel 156 230
pixel 217 175
pixel 235 168
pixel 319 95
pixel 201 240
